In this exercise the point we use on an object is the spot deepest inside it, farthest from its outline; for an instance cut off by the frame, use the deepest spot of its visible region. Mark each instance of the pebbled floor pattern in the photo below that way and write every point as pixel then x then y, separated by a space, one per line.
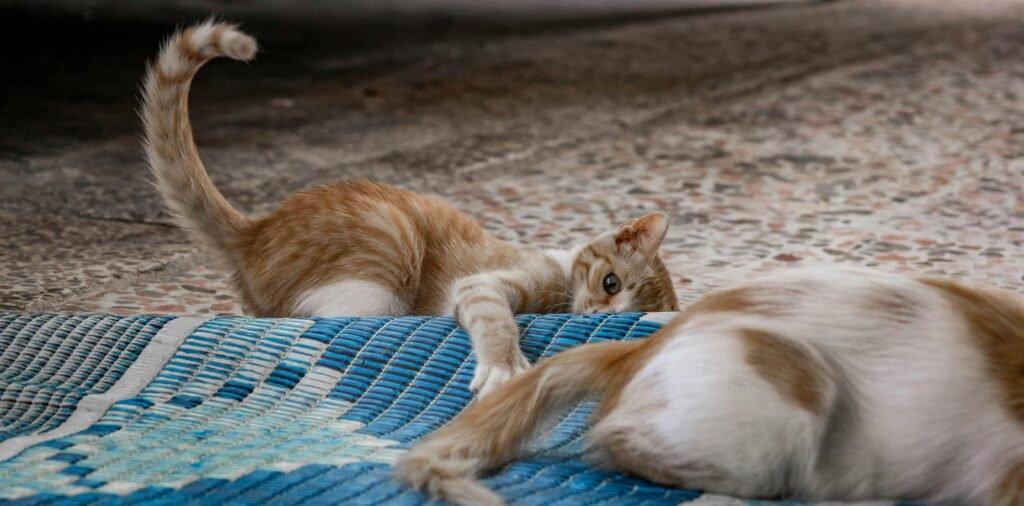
pixel 875 132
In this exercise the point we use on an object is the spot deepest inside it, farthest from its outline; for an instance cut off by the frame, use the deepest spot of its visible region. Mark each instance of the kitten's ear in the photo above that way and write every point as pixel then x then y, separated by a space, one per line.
pixel 642 234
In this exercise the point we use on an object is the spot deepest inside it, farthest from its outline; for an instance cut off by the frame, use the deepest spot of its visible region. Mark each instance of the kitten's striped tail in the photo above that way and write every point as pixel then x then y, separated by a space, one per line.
pixel 173 158
pixel 492 430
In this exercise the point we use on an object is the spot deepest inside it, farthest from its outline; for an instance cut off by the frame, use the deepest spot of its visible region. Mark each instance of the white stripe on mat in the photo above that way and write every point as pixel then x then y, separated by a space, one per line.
pixel 661 318
pixel 135 378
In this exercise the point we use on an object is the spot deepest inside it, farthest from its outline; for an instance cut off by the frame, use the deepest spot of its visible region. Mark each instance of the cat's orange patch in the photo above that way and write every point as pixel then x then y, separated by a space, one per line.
pixel 897 305
pixel 797 375
pixel 627 366
pixel 744 299
pixel 1010 489
pixel 995 321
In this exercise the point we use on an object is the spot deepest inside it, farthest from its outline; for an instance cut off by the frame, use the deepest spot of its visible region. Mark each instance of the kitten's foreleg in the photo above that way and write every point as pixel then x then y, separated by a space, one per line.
pixel 484 306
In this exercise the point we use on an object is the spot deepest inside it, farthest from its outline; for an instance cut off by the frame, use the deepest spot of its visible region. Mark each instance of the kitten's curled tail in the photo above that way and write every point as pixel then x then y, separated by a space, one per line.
pixel 173 158
pixel 492 430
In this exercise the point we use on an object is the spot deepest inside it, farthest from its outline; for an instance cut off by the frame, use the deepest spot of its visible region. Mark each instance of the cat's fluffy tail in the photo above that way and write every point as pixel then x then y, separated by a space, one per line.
pixel 170 150
pixel 492 430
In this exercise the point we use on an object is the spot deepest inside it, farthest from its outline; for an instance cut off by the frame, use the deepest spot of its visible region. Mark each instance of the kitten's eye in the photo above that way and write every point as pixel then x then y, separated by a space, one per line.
pixel 611 283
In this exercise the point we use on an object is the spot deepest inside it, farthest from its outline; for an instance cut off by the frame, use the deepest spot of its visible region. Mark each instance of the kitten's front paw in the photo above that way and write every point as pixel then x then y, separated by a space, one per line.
pixel 489 376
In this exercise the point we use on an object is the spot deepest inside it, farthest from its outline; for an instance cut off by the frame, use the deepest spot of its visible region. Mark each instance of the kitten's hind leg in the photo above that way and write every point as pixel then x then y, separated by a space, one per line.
pixel 352 297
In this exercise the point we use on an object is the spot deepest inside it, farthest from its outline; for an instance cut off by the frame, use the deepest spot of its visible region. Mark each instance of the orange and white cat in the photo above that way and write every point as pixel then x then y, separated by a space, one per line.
pixel 356 248
pixel 825 383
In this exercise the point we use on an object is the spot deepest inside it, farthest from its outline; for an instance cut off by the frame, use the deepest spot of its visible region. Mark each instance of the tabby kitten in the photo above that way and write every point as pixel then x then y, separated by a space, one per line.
pixel 817 383
pixel 356 248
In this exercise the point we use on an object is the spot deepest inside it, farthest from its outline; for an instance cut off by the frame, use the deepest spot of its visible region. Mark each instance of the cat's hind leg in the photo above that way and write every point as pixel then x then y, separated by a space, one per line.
pixel 734 412
pixel 353 297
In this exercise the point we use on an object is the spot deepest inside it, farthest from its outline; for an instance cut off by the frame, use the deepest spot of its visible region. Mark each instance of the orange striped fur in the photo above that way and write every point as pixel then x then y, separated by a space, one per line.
pixel 358 248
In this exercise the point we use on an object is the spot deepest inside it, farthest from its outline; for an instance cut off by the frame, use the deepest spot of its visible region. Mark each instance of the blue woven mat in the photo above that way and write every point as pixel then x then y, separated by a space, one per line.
pixel 164 410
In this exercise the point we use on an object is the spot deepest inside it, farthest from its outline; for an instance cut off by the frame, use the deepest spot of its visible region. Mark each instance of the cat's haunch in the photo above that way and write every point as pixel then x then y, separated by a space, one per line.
pixel 836 384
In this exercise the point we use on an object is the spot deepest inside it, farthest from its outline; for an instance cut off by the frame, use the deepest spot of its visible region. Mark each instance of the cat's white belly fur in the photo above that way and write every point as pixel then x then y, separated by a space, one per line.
pixel 892 405
pixel 350 298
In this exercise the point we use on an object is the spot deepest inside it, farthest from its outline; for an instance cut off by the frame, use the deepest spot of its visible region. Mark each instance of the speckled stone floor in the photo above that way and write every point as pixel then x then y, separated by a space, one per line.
pixel 887 133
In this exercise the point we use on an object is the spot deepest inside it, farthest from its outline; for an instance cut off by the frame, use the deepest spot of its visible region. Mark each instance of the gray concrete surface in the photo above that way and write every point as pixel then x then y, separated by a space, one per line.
pixel 453 114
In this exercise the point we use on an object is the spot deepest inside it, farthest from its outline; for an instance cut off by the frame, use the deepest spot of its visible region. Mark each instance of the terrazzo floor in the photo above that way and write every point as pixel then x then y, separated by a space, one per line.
pixel 887 133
